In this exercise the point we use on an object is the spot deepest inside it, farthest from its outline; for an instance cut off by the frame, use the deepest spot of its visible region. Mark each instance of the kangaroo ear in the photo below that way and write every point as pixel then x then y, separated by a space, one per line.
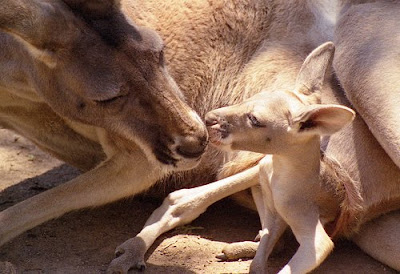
pixel 31 23
pixel 40 25
pixel 36 20
pixel 94 9
pixel 322 119
pixel 23 18
pixel 312 73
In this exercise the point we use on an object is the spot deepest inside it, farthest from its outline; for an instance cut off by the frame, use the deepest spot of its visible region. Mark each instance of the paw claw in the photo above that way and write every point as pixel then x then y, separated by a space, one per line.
pixel 129 255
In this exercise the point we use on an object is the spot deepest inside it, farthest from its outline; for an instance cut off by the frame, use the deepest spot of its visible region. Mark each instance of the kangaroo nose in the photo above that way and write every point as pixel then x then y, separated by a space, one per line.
pixel 211 119
pixel 192 146
pixel 215 118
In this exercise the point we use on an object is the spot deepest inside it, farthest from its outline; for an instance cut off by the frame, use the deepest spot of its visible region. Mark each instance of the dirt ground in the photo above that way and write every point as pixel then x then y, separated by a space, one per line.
pixel 84 241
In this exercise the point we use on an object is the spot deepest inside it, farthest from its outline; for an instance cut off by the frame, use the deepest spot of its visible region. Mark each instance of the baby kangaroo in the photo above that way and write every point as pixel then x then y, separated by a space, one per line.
pixel 287 126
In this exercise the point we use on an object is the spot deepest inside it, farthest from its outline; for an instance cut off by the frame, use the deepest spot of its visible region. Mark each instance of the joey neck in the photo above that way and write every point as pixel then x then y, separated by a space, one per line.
pixel 301 161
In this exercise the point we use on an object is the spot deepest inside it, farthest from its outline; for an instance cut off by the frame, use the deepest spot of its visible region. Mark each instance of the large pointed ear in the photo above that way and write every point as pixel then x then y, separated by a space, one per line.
pixel 312 73
pixel 322 119
pixel 94 9
pixel 106 18
pixel 30 18
pixel 30 22
pixel 42 26
pixel 23 18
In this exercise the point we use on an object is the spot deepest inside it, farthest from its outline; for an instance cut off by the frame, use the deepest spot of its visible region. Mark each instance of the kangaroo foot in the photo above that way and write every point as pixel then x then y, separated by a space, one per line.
pixel 129 255
pixel 239 250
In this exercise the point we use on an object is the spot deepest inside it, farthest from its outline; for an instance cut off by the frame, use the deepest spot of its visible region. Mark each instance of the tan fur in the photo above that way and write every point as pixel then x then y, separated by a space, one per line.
pixel 337 182
pixel 275 65
pixel 376 51
pixel 288 125
pixel 219 52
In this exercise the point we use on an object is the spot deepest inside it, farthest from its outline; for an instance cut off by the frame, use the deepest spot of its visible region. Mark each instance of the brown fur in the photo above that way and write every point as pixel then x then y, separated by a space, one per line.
pixel 347 192
pixel 219 52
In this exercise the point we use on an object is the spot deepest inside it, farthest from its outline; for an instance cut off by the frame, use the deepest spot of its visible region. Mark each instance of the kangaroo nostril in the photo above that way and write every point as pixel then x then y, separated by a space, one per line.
pixel 211 122
pixel 192 147
pixel 211 119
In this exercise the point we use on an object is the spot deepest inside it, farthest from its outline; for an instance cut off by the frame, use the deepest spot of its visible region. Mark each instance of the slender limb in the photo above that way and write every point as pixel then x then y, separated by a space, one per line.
pixel 315 244
pixel 118 177
pixel 258 198
pixel 180 207
pixel 273 226
pixel 270 234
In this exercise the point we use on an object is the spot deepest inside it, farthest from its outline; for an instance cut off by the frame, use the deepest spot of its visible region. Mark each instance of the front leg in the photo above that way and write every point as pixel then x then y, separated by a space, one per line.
pixel 315 244
pixel 179 208
pixel 120 176
pixel 273 226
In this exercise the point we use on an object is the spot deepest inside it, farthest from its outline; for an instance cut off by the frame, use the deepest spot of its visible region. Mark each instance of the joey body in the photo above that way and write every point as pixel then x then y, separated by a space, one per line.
pixel 287 125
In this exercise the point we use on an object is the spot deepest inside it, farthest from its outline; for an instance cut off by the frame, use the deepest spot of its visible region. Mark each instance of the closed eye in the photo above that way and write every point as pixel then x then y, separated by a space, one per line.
pixel 109 101
pixel 254 121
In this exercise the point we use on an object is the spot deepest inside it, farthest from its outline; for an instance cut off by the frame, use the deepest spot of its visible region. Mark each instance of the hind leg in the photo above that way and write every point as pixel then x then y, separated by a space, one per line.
pixel 380 238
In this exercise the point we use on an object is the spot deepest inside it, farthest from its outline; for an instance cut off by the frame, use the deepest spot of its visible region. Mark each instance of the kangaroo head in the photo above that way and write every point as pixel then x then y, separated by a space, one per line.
pixel 92 65
pixel 274 122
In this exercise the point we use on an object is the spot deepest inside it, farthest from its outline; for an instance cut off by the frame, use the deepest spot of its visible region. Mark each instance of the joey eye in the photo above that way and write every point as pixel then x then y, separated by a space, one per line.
pixel 254 121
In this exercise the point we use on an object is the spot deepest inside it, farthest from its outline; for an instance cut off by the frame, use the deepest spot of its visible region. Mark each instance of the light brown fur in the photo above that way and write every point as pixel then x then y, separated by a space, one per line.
pixel 300 188
pixel 219 52
pixel 274 65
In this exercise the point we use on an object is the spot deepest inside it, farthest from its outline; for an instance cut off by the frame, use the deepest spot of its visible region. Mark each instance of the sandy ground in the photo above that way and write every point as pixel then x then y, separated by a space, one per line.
pixel 84 241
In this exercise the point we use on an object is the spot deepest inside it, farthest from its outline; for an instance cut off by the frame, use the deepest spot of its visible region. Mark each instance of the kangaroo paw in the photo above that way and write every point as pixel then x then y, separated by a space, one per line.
pixel 129 255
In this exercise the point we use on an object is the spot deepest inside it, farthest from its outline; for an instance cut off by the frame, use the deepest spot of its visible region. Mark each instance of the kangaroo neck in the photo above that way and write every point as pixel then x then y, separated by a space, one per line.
pixel 301 163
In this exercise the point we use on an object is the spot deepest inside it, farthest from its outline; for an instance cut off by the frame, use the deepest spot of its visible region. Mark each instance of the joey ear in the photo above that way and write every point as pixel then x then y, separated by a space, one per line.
pixel 312 73
pixel 323 119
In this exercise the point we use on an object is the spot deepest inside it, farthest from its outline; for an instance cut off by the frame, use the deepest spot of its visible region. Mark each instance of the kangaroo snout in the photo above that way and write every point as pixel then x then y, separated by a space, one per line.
pixel 211 119
pixel 218 128
pixel 193 146
pixel 217 121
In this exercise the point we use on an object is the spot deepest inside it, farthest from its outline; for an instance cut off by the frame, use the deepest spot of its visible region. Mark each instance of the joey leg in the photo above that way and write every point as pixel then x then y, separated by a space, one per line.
pixel 315 244
pixel 180 207
pixel 273 226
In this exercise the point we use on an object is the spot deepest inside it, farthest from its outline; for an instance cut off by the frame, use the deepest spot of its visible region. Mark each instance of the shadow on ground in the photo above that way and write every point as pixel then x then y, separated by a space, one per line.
pixel 84 241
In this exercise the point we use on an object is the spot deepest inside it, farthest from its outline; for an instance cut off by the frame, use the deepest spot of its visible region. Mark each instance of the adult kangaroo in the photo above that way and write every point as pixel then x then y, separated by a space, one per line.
pixel 219 52
pixel 89 86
